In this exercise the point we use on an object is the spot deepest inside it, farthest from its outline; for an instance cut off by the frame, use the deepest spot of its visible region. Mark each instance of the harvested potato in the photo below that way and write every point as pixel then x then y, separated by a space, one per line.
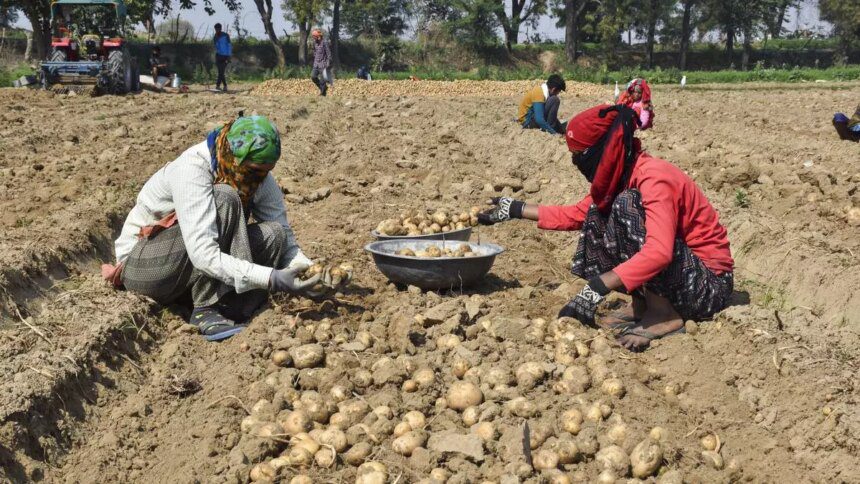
pixel 646 458
pixel 522 407
pixel 307 356
pixel 357 453
pixel 325 457
pixel 372 473
pixel 296 422
pixel 464 394
pixel 658 434
pixel 614 459
pixel 617 434
pixel 571 420
pixel 335 438
pixel 281 358
pixel 470 416
pixel 710 442
pixel 613 387
pixel 415 419
pixel 406 252
pixel 568 452
pixel 545 459
pixel 401 429
pixel 408 442
pixel 262 472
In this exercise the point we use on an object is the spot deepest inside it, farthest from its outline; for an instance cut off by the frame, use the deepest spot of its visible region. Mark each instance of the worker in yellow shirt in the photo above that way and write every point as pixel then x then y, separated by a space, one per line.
pixel 539 106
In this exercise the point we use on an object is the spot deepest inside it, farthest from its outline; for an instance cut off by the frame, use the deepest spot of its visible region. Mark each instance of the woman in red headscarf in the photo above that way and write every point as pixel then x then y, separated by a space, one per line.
pixel 646 230
pixel 637 97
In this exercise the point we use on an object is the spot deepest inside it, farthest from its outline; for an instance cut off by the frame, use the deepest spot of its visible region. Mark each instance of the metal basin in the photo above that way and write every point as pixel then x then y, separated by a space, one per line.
pixel 462 234
pixel 432 273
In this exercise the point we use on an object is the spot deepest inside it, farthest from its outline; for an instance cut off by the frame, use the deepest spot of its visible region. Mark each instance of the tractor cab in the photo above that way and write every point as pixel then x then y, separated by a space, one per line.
pixel 88 46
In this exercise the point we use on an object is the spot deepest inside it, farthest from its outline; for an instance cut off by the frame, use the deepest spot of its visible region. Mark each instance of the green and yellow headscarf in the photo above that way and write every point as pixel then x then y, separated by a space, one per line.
pixel 243 152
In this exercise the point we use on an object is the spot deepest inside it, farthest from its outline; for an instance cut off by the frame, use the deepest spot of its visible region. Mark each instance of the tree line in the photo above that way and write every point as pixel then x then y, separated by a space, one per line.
pixel 478 23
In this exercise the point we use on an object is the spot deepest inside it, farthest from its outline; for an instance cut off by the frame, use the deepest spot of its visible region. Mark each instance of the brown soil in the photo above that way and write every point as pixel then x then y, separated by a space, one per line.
pixel 103 386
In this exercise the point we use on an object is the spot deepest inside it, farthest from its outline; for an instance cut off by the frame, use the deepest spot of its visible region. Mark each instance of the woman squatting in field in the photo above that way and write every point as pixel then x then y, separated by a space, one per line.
pixel 189 231
pixel 646 230
pixel 637 97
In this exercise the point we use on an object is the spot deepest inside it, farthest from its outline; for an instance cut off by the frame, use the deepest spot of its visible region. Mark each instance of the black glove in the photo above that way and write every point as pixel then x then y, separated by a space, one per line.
pixel 506 209
pixel 283 280
pixel 584 306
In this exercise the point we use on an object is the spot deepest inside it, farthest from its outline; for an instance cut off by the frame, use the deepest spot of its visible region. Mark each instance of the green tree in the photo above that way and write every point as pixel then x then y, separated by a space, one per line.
pixel 522 11
pixel 303 14
pixel 375 18
pixel 845 17
pixel 473 22
pixel 265 9
pixel 776 16
pixel 650 15
pixel 570 15
pixel 38 12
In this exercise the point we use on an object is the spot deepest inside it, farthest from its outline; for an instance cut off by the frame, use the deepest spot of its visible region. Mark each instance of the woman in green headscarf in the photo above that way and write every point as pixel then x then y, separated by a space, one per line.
pixel 189 231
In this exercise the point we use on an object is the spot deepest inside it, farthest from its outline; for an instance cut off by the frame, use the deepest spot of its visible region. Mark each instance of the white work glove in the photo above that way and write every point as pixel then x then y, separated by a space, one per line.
pixel 283 280
pixel 300 262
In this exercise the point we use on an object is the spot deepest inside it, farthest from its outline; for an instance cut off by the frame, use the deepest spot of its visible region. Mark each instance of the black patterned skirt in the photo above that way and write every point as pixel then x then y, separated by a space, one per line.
pixel 605 242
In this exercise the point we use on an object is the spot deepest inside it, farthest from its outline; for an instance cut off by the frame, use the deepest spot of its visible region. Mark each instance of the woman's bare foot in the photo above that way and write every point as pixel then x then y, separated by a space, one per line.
pixel 629 313
pixel 658 320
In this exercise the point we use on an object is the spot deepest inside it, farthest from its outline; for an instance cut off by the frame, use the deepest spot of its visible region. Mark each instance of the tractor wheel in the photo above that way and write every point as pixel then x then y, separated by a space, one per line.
pixel 119 72
pixel 58 56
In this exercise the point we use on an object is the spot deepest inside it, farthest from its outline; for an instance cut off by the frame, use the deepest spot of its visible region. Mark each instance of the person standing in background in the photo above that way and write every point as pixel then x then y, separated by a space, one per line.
pixel 320 73
pixel 223 52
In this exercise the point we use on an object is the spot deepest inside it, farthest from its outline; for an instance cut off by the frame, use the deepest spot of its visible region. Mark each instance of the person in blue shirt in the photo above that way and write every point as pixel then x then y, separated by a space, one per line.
pixel 223 52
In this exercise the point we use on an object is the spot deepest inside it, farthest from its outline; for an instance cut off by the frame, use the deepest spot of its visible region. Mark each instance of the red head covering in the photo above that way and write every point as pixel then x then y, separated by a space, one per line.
pixel 605 135
pixel 640 85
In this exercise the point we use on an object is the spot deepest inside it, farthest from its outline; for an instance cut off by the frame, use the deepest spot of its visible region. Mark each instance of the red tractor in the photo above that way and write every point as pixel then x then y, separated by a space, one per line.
pixel 89 48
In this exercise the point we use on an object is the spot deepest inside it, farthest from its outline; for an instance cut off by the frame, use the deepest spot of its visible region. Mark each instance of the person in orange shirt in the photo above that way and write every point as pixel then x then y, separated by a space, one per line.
pixel 539 107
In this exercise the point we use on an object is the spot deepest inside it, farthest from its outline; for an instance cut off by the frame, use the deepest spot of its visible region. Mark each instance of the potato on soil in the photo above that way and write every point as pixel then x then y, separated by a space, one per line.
pixel 613 387
pixel 415 419
pixel 262 472
pixel 646 458
pixel 571 420
pixel 335 438
pixel 301 479
pixel 296 422
pixel 357 453
pixel 325 457
pixel 614 459
pixel 529 374
pixel 522 407
pixel 281 358
pixel 371 473
pixel 307 356
pixel 401 429
pixel 408 442
pixel 464 394
pixel 545 459
pixel 568 452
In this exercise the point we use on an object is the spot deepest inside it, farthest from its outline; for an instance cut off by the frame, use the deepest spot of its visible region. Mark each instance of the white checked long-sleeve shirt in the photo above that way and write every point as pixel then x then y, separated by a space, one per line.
pixel 185 186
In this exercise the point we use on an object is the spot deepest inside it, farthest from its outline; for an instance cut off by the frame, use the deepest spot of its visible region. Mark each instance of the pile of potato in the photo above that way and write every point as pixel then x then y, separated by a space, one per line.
pixel 433 251
pixel 416 223
pixel 384 88
pixel 340 403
